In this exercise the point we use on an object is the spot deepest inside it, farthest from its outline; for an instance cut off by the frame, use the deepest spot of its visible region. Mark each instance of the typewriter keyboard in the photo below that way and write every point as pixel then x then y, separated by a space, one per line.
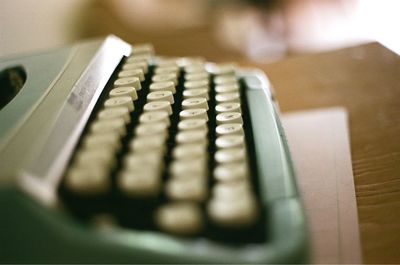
pixel 168 148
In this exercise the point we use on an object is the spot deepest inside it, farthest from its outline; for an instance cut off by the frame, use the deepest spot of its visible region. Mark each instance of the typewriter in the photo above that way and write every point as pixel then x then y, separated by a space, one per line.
pixel 111 154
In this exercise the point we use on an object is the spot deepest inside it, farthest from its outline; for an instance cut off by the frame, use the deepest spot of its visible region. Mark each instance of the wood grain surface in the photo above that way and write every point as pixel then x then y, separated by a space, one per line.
pixel 365 80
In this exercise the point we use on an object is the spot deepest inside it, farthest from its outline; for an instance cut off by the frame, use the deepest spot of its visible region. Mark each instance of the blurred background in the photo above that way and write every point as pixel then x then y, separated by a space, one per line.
pixel 254 30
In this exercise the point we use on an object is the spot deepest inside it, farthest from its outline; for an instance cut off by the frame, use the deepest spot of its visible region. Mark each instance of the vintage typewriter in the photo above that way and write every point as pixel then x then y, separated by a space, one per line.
pixel 109 153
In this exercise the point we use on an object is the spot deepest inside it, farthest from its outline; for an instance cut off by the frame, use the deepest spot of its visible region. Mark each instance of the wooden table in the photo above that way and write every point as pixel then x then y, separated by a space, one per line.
pixel 366 80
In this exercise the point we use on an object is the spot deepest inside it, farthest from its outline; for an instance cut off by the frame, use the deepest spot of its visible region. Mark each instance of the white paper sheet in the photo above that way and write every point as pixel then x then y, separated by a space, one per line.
pixel 319 145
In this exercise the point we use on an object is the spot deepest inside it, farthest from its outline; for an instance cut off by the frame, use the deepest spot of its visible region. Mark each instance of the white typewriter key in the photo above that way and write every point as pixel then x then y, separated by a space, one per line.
pixel 225 79
pixel 237 213
pixel 144 48
pixel 167 62
pixel 227 97
pixel 108 126
pixel 161 96
pixel 158 106
pixel 230 141
pixel 229 117
pixel 196 84
pixel 149 129
pixel 115 113
pixel 188 189
pixel 195 69
pixel 228 107
pixel 97 158
pixel 193 114
pixel 88 181
pixel 141 182
pixel 227 88
pixel 197 76
pixel 230 155
pixel 167 70
pixel 138 58
pixel 163 86
pixel 165 78
pixel 132 73
pixel 193 124
pixel 232 190
pixel 109 141
pixel 182 218
pixel 231 172
pixel 229 129
pixel 195 103
pixel 148 144
pixel 153 160
pixel 186 61
pixel 223 69
pixel 191 137
pixel 124 91
pixel 119 102
pixel 189 151
pixel 155 116
pixel 195 93
pixel 128 81
pixel 188 167
pixel 136 65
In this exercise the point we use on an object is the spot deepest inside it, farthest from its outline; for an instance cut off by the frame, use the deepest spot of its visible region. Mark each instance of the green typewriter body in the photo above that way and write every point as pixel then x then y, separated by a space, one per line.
pixel 109 154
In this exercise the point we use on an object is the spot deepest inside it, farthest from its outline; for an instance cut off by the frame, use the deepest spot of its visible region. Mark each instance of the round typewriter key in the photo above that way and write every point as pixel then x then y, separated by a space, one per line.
pixel 231 172
pixel 140 58
pixel 128 81
pixel 119 102
pixel 195 69
pixel 195 93
pixel 230 128
pixel 163 86
pixel 227 88
pixel 141 182
pixel 149 129
pixel 189 151
pixel 225 79
pixel 87 181
pixel 182 218
pixel 241 212
pixel 96 158
pixel 136 65
pixel 196 84
pixel 232 190
pixel 223 69
pixel 148 143
pixel 229 117
pixel 165 78
pixel 188 189
pixel 154 160
pixel 229 141
pixel 191 137
pixel 124 91
pixel 167 70
pixel 158 106
pixel 188 167
pixel 228 107
pixel 115 113
pixel 193 114
pixel 193 124
pixel 132 73
pixel 145 48
pixel 161 96
pixel 227 97
pixel 155 116
pixel 195 103
pixel 109 141
pixel 197 76
pixel 108 126
pixel 230 155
